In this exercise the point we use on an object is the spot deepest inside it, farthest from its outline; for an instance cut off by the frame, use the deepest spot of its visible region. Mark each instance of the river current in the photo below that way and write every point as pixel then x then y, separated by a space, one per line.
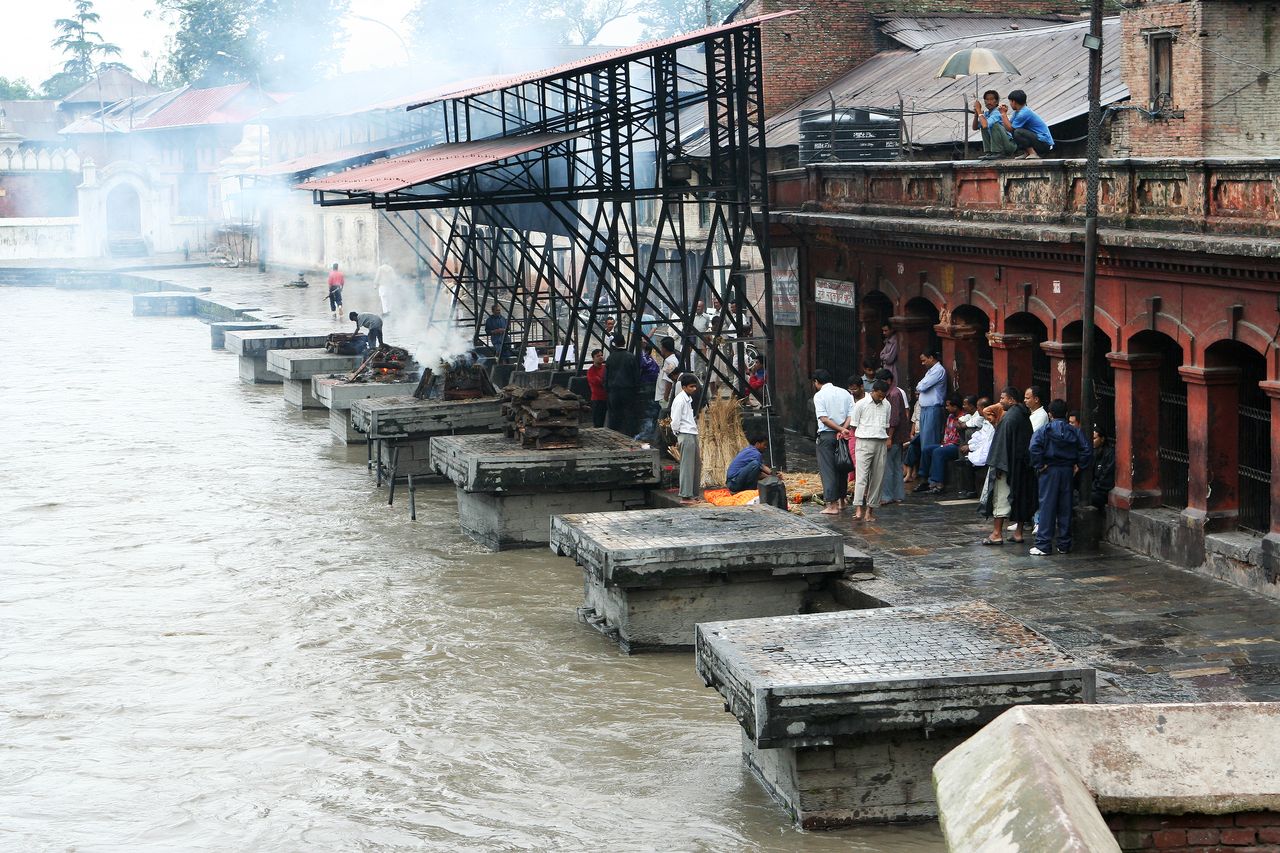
pixel 216 635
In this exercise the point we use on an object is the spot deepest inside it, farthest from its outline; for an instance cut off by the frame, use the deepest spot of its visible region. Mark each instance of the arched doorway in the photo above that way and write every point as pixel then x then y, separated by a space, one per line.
pixel 1171 416
pixel 1104 386
pixel 875 311
pixel 1028 363
pixel 916 336
pixel 1253 433
pixel 124 212
pixel 971 325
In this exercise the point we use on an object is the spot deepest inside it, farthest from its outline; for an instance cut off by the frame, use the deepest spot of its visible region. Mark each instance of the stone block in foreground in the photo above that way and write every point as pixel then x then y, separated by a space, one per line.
pixel 1106 778
pixel 652 575
pixel 844 714
pixel 508 493
pixel 338 395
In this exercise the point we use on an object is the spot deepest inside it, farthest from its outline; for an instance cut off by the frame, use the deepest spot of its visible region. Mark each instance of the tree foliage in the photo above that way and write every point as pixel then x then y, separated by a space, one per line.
pixel 284 43
pixel 663 18
pixel 84 49
pixel 17 89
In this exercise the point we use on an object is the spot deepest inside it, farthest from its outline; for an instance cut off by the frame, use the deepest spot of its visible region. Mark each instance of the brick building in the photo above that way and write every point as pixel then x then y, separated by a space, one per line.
pixel 985 262
pixel 806 51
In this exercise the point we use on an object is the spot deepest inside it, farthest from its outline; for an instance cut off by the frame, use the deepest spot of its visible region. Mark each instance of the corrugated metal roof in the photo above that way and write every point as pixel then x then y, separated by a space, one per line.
pixel 34 121
pixel 916 33
pixel 410 170
pixel 600 60
pixel 206 106
pixel 339 158
pixel 110 86
pixel 1055 76
pixel 122 116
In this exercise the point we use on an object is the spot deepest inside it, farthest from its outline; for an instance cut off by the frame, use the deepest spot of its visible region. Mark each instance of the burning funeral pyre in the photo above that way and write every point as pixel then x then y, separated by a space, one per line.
pixel 459 379
pixel 543 418
pixel 384 363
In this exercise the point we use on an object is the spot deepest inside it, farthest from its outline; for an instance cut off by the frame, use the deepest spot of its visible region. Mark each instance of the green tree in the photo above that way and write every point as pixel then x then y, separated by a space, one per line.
pixel 16 89
pixel 663 18
pixel 284 43
pixel 84 48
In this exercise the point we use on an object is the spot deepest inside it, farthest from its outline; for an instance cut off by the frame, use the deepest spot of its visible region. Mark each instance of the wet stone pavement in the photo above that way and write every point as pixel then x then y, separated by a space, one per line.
pixel 1154 632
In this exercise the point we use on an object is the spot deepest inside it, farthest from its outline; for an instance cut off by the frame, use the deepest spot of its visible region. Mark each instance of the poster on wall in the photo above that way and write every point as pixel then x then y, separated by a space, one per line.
pixel 786 287
pixel 831 291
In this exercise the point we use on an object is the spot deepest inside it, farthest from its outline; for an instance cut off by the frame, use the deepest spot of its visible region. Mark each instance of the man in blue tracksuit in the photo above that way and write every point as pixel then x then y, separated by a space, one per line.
pixel 1058 450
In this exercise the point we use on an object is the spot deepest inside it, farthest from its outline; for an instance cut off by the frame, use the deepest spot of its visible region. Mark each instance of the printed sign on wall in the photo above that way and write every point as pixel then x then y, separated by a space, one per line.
pixel 831 291
pixel 786 287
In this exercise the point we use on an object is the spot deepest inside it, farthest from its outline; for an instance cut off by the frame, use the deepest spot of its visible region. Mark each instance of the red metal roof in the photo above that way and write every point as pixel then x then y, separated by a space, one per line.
pixel 439 161
pixel 599 60
pixel 336 158
pixel 205 106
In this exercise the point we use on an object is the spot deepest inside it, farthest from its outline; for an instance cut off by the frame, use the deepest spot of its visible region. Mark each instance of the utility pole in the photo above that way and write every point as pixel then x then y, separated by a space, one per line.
pixel 1092 178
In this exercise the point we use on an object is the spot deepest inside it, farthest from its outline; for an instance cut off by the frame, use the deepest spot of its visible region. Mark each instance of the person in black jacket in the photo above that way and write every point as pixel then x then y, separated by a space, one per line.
pixel 622 381
pixel 1012 497
pixel 1104 469
pixel 1058 451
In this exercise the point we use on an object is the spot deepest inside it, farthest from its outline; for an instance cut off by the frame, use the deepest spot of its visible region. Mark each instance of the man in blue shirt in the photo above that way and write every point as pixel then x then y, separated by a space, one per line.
pixel 931 389
pixel 495 326
pixel 1028 130
pixel 748 466
pixel 986 118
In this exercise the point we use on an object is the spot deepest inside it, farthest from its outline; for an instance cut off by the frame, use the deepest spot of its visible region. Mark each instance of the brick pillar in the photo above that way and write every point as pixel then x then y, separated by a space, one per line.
pixel 1271 542
pixel 1137 429
pixel 960 355
pixel 1064 371
pixel 913 339
pixel 1213 436
pixel 1011 360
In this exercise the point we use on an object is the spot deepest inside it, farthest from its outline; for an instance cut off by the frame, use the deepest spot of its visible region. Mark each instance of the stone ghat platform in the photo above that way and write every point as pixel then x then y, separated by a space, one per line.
pixel 652 575
pixel 399 429
pixel 845 714
pixel 338 395
pixel 297 367
pixel 508 493
pixel 251 347
pixel 218 330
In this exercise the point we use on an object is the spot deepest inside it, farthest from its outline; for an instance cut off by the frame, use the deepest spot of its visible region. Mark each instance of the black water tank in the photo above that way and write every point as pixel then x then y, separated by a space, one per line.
pixel 849 135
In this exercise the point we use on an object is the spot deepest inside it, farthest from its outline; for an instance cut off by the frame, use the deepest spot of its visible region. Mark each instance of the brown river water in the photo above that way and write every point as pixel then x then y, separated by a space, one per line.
pixel 215 635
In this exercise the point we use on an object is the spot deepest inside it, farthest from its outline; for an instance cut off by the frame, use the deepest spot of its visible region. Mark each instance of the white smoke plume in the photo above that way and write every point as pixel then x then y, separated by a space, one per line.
pixel 420 319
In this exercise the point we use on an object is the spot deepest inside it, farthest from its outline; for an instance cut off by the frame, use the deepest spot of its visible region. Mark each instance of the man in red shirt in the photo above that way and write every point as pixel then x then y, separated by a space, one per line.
pixel 599 394
pixel 336 282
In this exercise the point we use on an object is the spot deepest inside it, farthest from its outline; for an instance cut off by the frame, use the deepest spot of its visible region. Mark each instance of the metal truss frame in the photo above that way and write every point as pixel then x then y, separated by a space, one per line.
pixel 625 222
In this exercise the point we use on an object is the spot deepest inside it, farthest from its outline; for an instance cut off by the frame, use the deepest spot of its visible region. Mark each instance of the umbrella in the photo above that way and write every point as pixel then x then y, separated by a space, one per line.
pixel 976 61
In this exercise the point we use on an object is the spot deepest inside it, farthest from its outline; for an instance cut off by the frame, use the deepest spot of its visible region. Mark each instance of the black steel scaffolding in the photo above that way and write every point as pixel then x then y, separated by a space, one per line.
pixel 571 195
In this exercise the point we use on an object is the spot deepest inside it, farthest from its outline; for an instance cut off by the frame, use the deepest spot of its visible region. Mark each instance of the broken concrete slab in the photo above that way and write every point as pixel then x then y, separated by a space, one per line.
pixel 652 575
pixel 830 700
pixel 1052 778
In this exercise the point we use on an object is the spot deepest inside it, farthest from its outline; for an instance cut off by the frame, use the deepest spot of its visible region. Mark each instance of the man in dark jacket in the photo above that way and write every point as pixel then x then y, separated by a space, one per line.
pixel 622 381
pixel 1013 482
pixel 1058 450
pixel 1104 469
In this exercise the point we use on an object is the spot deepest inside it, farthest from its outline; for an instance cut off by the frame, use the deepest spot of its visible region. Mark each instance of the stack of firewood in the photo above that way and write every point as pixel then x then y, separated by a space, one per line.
pixel 543 418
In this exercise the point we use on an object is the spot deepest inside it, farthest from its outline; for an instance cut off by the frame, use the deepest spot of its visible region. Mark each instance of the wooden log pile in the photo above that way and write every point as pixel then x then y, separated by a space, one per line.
pixel 543 418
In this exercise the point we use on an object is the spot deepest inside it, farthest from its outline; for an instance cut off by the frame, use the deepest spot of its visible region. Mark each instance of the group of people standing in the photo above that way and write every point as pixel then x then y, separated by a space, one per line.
pixel 869 435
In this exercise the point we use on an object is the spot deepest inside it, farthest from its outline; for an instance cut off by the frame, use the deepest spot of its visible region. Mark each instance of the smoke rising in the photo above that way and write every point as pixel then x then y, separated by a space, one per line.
pixel 421 319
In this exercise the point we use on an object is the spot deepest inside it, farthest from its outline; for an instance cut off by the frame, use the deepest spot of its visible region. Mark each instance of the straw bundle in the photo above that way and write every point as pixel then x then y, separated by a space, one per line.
pixel 720 437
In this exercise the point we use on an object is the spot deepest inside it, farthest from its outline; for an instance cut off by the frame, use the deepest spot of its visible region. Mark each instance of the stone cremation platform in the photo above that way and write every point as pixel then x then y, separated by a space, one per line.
pixel 251 348
pixel 652 575
pixel 507 493
pixel 218 330
pixel 399 429
pixel 338 395
pixel 844 714
pixel 297 367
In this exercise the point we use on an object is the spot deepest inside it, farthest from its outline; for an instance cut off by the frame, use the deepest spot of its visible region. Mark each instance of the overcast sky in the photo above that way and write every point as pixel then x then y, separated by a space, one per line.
pixel 28 29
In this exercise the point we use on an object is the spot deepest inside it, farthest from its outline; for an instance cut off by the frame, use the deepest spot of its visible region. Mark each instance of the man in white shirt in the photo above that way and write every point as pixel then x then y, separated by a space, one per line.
pixel 685 427
pixel 698 344
pixel 666 373
pixel 870 424
pixel 832 405
pixel 1039 415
